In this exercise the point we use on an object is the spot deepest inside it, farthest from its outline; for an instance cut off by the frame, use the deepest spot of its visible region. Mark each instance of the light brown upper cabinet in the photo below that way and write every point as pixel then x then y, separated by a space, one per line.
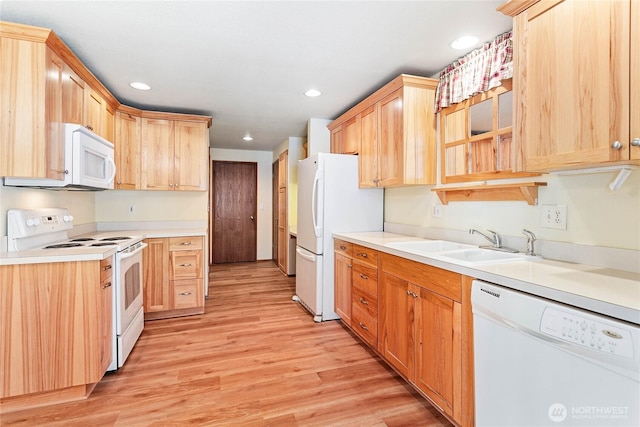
pixel 127 151
pixel 396 133
pixel 42 85
pixel 175 153
pixel 576 82
pixel 476 138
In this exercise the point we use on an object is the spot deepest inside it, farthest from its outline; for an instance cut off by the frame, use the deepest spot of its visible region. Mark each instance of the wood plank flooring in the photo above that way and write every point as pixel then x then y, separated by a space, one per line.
pixel 255 358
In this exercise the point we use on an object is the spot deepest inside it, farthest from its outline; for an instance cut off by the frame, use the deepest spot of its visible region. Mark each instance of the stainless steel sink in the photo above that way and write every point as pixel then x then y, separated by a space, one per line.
pixel 428 247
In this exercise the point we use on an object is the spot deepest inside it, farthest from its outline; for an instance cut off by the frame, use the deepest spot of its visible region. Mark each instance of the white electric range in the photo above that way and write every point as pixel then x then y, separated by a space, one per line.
pixel 46 230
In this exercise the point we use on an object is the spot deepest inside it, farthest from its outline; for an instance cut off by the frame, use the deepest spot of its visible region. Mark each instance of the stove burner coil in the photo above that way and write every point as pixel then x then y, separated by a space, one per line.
pixel 103 244
pixel 63 245
pixel 114 239
pixel 82 239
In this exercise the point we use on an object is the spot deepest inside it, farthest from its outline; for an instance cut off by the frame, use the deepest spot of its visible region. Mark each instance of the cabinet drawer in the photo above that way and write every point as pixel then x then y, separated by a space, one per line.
pixel 365 326
pixel 186 265
pixel 365 302
pixel 185 293
pixel 188 243
pixel 106 269
pixel 343 248
pixel 366 255
pixel 365 277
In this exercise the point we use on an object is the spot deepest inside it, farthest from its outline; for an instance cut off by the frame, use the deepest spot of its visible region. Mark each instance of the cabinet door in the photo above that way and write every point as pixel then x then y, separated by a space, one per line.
pixel 127 151
pixel 368 151
pixel 351 136
pixel 72 97
pixel 342 282
pixel 573 82
pixel 191 156
pixel 157 292
pixel 157 154
pixel 94 106
pixel 395 317
pixel 336 140
pixel 53 116
pixel 438 348
pixel 390 144
pixel 109 123
pixel 635 81
pixel 283 240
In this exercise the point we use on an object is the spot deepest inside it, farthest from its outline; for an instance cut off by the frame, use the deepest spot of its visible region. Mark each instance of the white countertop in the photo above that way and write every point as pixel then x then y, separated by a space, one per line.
pixel 89 254
pixel 615 293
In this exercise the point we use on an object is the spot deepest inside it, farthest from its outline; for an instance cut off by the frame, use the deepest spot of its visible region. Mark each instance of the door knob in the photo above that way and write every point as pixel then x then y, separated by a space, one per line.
pixel 251 217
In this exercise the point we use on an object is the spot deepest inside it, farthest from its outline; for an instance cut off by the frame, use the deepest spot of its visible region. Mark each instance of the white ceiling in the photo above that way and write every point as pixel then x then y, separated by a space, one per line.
pixel 248 63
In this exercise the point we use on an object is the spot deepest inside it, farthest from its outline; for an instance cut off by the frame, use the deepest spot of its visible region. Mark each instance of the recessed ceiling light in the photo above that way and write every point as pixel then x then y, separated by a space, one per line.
pixel 140 86
pixel 312 93
pixel 247 138
pixel 464 42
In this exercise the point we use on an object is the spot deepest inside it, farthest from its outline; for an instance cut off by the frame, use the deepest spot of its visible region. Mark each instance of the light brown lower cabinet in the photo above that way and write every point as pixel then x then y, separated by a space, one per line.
pixel 417 317
pixel 55 318
pixel 173 277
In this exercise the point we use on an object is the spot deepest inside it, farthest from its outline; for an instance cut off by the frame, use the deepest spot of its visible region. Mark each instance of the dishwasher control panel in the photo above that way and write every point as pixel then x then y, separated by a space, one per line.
pixel 587 331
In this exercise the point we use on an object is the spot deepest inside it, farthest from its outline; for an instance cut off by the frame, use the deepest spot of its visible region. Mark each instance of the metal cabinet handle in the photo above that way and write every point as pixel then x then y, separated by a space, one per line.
pixel 363 276
pixel 186 243
pixel 362 254
pixel 107 267
pixel 186 265
pixel 616 145
pixel 170 184
pixel 363 301
pixel 343 248
pixel 412 294
pixel 635 142
pixel 184 294
pixel 89 127
pixel 349 266
pixel 363 326
pixel 108 285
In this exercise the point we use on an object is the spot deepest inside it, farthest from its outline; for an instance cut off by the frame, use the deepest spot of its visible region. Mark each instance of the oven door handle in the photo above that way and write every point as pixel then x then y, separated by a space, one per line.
pixel 130 254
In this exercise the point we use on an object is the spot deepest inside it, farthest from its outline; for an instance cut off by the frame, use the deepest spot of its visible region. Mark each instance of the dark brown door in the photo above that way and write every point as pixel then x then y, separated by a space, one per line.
pixel 234 211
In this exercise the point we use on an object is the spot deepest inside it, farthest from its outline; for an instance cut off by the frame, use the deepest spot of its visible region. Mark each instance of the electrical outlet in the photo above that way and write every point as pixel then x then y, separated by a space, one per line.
pixel 436 212
pixel 554 216
pixel 132 209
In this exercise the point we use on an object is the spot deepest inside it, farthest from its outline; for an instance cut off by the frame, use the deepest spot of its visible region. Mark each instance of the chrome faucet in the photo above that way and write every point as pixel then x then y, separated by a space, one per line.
pixel 495 240
pixel 530 239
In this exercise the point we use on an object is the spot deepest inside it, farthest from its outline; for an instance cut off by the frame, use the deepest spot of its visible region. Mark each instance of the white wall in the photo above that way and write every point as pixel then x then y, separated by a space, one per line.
pixel 264 160
pixel 151 205
pixel 81 204
pixel 596 215
pixel 318 136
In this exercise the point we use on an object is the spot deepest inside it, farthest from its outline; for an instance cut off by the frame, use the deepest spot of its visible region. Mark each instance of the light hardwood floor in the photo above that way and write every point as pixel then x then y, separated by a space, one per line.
pixel 255 358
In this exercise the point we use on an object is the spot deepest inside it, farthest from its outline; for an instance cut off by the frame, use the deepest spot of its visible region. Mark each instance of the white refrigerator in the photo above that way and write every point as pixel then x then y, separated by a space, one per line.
pixel 329 201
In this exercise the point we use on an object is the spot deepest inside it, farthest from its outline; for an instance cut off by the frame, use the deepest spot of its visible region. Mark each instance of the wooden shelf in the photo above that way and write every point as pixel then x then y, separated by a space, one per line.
pixel 523 191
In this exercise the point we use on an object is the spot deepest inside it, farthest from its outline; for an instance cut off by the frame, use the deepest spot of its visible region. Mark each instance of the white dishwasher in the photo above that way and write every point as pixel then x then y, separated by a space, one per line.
pixel 542 363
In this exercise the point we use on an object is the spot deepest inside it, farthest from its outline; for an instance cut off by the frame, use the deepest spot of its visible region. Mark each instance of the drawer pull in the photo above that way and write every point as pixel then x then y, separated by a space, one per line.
pixel 363 326
pixel 362 276
pixel 363 301
pixel 108 285
pixel 349 266
pixel 186 243
pixel 186 265
pixel 362 254
pixel 184 294
pixel 107 267
pixel 343 248
pixel 412 294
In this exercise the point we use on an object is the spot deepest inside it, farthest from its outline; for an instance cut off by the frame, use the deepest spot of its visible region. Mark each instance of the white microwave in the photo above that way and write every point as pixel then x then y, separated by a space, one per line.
pixel 88 160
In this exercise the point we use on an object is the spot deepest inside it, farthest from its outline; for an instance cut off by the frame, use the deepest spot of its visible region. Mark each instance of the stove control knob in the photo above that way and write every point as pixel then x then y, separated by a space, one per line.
pixel 67 218
pixel 30 222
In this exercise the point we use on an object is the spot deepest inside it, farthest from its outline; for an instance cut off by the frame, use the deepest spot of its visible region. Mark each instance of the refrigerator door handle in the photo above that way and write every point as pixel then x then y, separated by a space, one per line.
pixel 305 255
pixel 314 205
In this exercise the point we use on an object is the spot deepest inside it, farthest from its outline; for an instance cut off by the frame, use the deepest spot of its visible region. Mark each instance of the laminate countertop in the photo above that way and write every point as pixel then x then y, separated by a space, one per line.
pixel 84 253
pixel 614 293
